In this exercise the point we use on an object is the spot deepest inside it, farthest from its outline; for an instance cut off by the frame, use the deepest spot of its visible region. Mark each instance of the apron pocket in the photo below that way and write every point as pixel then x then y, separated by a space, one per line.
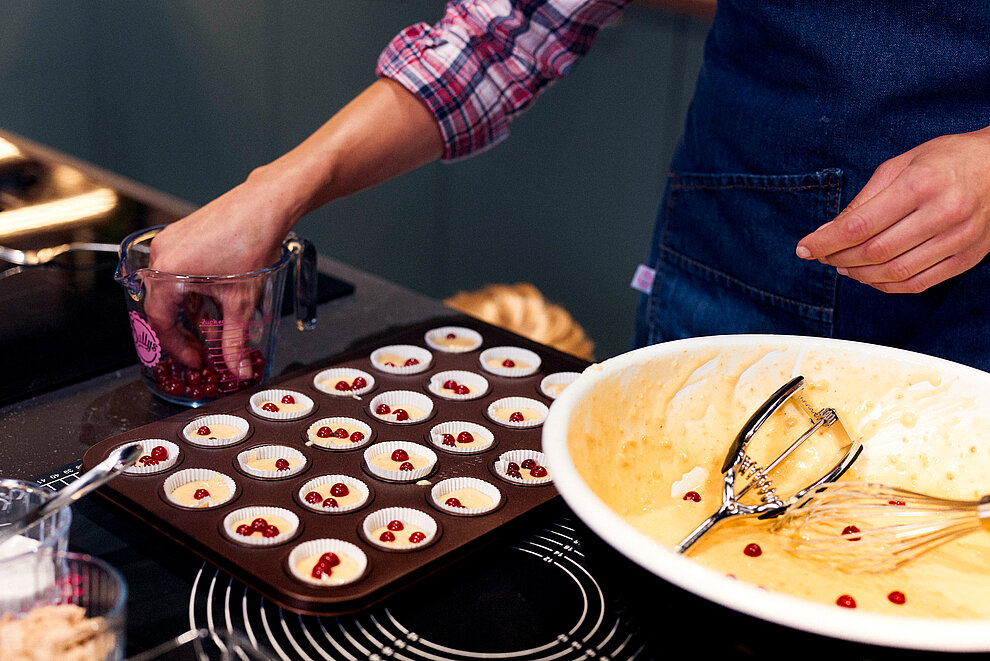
pixel 725 259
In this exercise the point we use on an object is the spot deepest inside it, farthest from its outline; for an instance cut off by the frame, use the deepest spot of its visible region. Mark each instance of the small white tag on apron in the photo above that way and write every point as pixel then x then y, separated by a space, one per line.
pixel 643 279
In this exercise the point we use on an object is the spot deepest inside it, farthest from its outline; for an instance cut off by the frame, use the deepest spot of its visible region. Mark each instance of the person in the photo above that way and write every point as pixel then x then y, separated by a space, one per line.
pixel 832 179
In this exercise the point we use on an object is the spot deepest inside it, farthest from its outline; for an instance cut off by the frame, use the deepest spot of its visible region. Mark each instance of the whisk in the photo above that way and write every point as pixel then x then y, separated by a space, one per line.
pixel 866 527
pixel 739 464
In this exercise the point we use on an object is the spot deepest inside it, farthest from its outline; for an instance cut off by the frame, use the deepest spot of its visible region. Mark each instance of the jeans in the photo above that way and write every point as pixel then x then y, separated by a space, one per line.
pixel 796 105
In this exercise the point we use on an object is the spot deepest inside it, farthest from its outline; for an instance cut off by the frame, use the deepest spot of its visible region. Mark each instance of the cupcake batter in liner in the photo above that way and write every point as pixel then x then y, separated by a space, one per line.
pixel 553 384
pixel 214 431
pixel 449 437
pixel 181 488
pixel 351 562
pixel 385 460
pixel 271 462
pixel 281 405
pixel 332 439
pixel 260 525
pixel 403 359
pixel 331 382
pixel 517 412
pixel 151 460
pixel 358 494
pixel 400 529
pixel 510 361
pixel 510 462
pixel 473 496
pixel 460 380
pixel 453 339
pixel 389 407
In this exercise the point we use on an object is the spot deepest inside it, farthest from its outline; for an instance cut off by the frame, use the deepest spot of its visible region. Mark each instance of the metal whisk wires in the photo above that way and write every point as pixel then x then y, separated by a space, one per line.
pixel 739 463
pixel 866 527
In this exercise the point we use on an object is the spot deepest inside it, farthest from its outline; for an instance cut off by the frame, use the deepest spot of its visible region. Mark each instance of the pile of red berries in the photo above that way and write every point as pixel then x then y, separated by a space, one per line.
pixel 463 437
pixel 258 525
pixel 178 380
pixel 458 388
pixel 356 384
pixel 395 526
pixel 535 470
pixel 158 455
pixel 339 432
pixel 324 565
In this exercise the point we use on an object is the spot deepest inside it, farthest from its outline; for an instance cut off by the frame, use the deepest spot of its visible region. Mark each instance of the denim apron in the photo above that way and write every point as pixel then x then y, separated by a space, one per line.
pixel 796 104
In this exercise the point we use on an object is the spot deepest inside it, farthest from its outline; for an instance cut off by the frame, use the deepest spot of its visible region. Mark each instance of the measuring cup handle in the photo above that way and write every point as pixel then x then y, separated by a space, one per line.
pixel 306 278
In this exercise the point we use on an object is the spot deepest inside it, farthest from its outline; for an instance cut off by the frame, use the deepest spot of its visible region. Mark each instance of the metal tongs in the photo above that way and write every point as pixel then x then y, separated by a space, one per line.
pixel 739 463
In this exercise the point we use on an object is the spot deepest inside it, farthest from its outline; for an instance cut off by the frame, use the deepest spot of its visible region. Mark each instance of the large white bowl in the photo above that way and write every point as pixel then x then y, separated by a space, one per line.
pixel 853 625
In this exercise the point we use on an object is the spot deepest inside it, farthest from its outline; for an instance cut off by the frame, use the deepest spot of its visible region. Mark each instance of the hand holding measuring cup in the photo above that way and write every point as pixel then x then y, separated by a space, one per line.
pixel 204 331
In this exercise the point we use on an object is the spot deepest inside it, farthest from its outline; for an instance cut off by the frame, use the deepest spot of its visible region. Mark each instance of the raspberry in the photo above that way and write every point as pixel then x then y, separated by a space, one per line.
pixel 395 525
pixel 846 601
pixel 204 431
pixel 269 406
pixel 448 439
pixel 342 386
pixel 245 530
pixel 387 536
pixel 417 537
pixel 288 399
pixel 753 550
pixel 465 437
pixel 401 414
pixel 693 496
pixel 330 502
pixel 339 490
pixel 201 494
pixel 359 382
pixel 259 524
pixel 516 416
pixel 357 437
pixel 383 409
pixel 324 432
pixel 329 560
pixel 400 455
pixel 270 531
pixel 313 498
pixel 452 502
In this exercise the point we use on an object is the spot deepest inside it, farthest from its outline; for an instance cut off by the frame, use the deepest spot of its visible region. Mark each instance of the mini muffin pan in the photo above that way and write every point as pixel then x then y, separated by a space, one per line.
pixel 453 532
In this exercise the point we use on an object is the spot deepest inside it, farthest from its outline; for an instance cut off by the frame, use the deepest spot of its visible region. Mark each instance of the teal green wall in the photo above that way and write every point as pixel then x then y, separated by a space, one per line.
pixel 189 95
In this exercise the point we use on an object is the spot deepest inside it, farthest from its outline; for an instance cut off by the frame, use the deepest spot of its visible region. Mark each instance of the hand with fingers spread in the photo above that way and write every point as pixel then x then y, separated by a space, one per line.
pixel 922 218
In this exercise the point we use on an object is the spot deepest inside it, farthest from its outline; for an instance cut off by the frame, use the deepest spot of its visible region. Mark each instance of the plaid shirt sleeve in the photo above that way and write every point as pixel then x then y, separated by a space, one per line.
pixel 487 61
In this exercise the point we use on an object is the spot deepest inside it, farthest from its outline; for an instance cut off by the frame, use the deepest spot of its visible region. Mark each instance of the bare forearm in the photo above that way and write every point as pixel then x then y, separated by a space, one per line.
pixel 385 131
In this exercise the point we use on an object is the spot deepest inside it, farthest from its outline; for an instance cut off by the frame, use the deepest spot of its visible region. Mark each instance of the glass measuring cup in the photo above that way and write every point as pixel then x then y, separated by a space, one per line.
pixel 201 337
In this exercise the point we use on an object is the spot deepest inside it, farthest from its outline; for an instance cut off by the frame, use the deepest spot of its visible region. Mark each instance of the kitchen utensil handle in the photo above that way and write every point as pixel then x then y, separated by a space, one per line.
pixel 100 474
pixel 306 280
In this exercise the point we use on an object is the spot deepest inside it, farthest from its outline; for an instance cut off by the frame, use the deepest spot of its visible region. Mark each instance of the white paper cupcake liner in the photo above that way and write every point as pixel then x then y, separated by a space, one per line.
pixel 396 399
pixel 189 432
pixel 408 516
pixel 327 545
pixel 407 351
pixel 454 428
pixel 252 513
pixel 388 448
pixel 147 445
pixel 270 452
pixel 559 379
pixel 477 382
pixel 188 475
pixel 275 396
pixel 517 457
pixel 435 336
pixel 352 483
pixel 517 403
pixel 313 440
pixel 441 489
pixel 326 381
pixel 516 354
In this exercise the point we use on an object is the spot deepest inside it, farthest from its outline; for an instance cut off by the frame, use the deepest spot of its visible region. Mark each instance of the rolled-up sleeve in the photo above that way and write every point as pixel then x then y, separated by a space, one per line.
pixel 485 62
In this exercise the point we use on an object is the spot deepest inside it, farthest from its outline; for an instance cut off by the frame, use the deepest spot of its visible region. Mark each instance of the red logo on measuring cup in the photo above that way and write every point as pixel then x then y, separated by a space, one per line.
pixel 149 351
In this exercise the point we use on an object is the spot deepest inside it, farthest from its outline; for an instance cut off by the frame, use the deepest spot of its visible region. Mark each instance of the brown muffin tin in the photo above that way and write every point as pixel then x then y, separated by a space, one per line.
pixel 265 568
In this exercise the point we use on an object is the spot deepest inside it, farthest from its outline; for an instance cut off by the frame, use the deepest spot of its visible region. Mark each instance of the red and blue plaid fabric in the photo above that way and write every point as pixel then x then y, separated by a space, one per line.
pixel 487 61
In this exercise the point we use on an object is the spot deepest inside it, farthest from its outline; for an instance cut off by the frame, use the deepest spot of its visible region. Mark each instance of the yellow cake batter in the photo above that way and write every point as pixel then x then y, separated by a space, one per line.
pixel 645 438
